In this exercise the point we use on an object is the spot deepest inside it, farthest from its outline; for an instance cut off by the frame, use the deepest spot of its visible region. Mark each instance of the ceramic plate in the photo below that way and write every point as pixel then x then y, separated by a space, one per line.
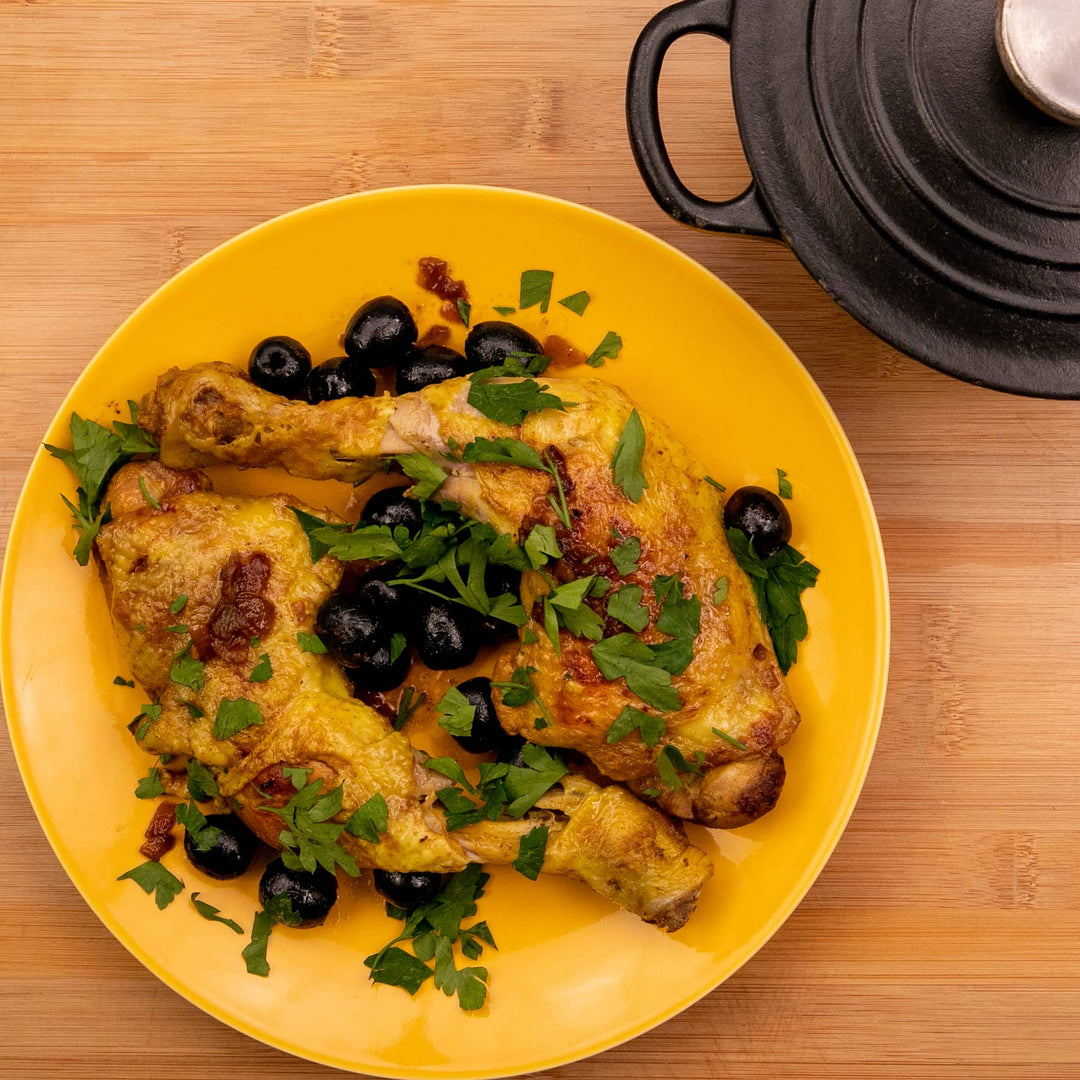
pixel 572 976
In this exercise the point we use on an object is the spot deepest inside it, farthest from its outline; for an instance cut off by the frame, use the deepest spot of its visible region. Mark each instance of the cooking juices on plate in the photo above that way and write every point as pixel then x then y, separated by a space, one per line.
pixel 625 632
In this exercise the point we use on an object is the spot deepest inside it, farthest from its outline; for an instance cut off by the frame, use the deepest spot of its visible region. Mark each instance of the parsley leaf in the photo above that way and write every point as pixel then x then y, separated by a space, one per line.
pixel 626 461
pixel 783 484
pixel 541 545
pixel 203 835
pixel 631 719
pixel 720 590
pixel 527 784
pixel 154 878
pixel 178 604
pixel 464 309
pixel 626 555
pixel 311 643
pixel 398 644
pixel 731 739
pixel 505 310
pixel 150 786
pixel 370 820
pixel 395 967
pixel 670 762
pixel 576 302
pixel 510 402
pixel 147 496
pixel 121 681
pixel 455 713
pixel 715 483
pixel 778 583
pixel 429 477
pixel 625 605
pixel 311 524
pixel 262 671
pixel 535 289
pixel 531 849
pixel 624 656
pixel 234 715
pixel 502 451
pixel 201 784
pixel 608 349
pixel 254 953
pixel 406 706
pixel 152 713
pixel 185 670
pixel 208 911
pixel 309 838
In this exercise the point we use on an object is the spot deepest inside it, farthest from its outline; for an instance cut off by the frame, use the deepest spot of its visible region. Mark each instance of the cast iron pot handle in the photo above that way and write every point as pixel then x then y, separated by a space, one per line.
pixel 743 214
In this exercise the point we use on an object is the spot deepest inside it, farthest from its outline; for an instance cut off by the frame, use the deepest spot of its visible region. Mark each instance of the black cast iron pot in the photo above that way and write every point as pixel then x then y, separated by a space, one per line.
pixel 892 149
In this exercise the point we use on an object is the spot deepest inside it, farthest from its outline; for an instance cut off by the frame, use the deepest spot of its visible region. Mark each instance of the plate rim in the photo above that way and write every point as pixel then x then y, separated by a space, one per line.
pixel 814 865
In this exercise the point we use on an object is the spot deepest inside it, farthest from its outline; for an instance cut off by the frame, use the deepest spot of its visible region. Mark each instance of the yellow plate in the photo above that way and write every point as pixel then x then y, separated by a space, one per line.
pixel 572 975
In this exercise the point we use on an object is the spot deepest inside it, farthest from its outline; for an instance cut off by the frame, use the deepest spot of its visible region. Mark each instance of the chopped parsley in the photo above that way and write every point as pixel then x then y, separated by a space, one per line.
pixel 179 628
pixel 213 914
pixel 178 604
pixel 625 556
pixel 535 289
pixel 186 671
pixel 626 461
pixel 262 671
pixel 652 728
pixel 150 786
pixel 670 762
pixel 278 910
pixel 121 681
pixel 778 584
pixel 310 839
pixel 531 850
pixel 576 302
pixel 370 820
pixel 398 645
pixel 147 496
pixel 464 310
pixel 95 454
pixel 625 605
pixel 720 590
pixel 311 643
pixel 783 484
pixel 715 483
pixel 203 835
pixel 234 716
pixel 154 878
pixel 731 739
pixel 565 607
pixel 455 713
pixel 510 402
pixel 429 477
pixel 623 656
pixel 152 713
pixel 505 310
pixel 608 349
pixel 201 784
pixel 406 706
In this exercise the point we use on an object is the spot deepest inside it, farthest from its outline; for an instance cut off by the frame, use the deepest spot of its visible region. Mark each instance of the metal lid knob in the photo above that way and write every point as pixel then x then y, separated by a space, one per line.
pixel 1039 44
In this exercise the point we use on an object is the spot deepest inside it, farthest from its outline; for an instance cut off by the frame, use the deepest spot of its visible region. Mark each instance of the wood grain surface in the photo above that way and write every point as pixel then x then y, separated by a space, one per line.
pixel 942 939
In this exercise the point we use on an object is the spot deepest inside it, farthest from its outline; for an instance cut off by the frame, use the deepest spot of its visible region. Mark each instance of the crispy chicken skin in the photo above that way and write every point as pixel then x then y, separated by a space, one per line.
pixel 244 565
pixel 213 413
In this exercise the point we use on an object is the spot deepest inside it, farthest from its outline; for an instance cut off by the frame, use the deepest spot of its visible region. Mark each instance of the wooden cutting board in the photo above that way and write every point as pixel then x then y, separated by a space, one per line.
pixel 942 939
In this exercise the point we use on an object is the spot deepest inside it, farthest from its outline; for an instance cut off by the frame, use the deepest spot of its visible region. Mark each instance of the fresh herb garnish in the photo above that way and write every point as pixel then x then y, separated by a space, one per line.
pixel 147 496
pixel 625 556
pixel 541 545
pixel 625 605
pixel 433 928
pixel 731 739
pixel 150 786
pixel 526 785
pixel 626 461
pixel 608 349
pixel 720 590
pixel 193 710
pixel 505 310
pixel 180 628
pixel 203 835
pixel 670 762
pixel 565 607
pixel 278 910
pixel 310 839
pixel 201 784
pixel 311 524
pixel 778 584
pixel 185 670
pixel 510 402
pixel 783 484
pixel 121 681
pixel 234 715
pixel 715 483
pixel 262 671
pixel 502 451
pixel 429 477
pixel 464 309
pixel 152 713
pixel 213 914
pixel 398 644
pixel 624 656
pixel 178 604
pixel 370 820
pixel 600 586
pixel 311 643
pixel 455 712
pixel 576 302
pixel 535 289
pixel 95 455
pixel 406 706
pixel 154 878
pixel 630 719
pixel 531 850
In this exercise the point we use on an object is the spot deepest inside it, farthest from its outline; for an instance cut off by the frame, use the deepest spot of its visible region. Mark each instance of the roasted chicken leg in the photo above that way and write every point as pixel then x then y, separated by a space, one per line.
pixel 733 685
pixel 244 566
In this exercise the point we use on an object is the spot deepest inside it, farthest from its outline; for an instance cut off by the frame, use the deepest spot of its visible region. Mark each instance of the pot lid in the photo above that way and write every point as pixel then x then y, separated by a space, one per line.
pixel 928 195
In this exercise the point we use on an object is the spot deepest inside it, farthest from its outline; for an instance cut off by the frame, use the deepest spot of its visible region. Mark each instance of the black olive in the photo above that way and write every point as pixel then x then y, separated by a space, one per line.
pixel 762 516
pixel 499 580
pixel 231 853
pixel 393 507
pixel 408 890
pixel 381 332
pixel 312 895
pixel 510 751
pixel 423 367
pixel 338 378
pixel 376 671
pixel 487 733
pixel 280 365
pixel 350 627
pixel 393 604
pixel 444 634
pixel 489 344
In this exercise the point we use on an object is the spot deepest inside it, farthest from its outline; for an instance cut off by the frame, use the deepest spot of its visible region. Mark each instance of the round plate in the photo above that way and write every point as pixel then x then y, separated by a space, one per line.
pixel 572 976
